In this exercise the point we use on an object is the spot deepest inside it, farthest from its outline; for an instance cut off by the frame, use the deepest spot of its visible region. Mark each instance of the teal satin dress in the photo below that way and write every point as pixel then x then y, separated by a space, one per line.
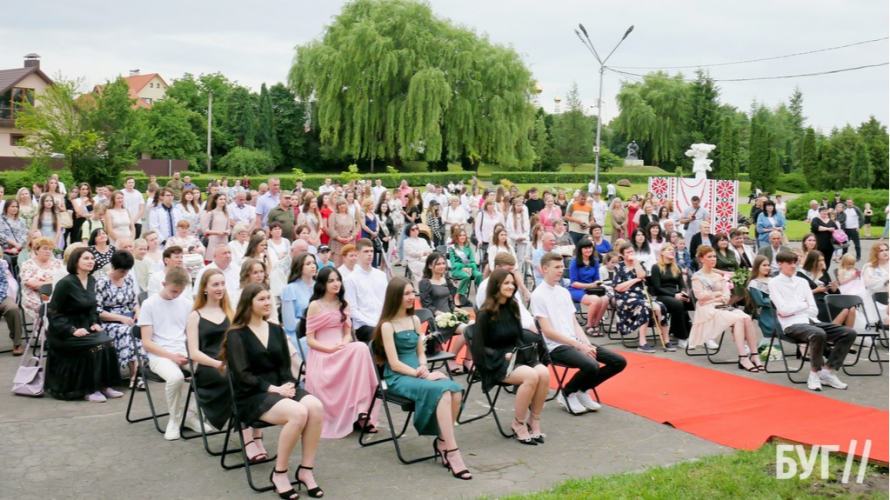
pixel 425 393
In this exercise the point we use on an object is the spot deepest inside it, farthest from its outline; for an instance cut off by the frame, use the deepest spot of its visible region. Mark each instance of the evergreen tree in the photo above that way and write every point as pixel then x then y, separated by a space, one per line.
pixel 243 123
pixel 861 173
pixel 573 133
pixel 730 168
pixel 874 134
pixel 265 136
pixel 808 160
pixel 724 155
pixel 773 168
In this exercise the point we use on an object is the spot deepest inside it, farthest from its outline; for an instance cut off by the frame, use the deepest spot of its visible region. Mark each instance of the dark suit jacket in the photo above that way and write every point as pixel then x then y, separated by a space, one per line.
pixel 767 251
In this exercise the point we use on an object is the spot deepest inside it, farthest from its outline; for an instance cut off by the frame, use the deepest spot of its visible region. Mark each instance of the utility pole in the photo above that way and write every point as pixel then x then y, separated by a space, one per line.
pixel 209 128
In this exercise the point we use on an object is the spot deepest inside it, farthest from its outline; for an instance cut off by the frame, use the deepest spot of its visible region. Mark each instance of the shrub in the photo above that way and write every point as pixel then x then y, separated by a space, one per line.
pixel 797 208
pixel 624 183
pixel 794 182
pixel 250 162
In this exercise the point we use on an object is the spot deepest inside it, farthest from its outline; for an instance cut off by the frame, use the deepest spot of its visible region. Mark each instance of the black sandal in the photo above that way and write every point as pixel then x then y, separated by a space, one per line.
pixel 758 365
pixel 291 494
pixel 753 369
pixel 256 458
pixel 314 492
pixel 464 474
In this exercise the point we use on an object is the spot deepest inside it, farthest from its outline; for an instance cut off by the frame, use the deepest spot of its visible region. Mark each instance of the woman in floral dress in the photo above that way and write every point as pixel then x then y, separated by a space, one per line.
pixel 634 308
pixel 118 309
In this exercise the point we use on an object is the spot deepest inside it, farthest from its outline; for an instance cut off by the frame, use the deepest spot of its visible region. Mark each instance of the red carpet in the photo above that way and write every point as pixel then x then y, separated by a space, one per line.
pixel 739 412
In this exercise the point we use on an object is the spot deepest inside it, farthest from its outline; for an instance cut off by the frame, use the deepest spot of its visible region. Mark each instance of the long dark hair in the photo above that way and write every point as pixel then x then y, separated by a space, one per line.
pixel 492 305
pixel 633 241
pixel 392 304
pixel 319 291
pixel 243 314
pixel 648 232
pixel 430 262
pixel 296 267
pixel 255 241
pixel 579 257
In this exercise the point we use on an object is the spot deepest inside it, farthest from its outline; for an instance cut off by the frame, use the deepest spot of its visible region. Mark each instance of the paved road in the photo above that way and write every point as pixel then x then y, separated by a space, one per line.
pixel 55 449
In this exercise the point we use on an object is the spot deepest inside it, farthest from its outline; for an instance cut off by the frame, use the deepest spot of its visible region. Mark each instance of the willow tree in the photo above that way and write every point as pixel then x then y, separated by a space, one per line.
pixel 389 79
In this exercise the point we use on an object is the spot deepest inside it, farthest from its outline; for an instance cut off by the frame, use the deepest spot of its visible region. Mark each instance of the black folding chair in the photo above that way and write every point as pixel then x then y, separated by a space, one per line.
pixel 474 378
pixel 204 434
pixel 388 399
pixel 560 383
pixel 780 336
pixel 33 328
pixel 880 299
pixel 146 376
pixel 142 297
pixel 441 357
pixel 236 423
pixel 836 304
pixel 708 352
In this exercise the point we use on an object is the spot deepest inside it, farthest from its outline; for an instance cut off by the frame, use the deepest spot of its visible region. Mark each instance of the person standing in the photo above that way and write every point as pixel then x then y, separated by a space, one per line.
pixel 578 215
pixel 176 186
pixel 284 215
pixel 267 202
pixel 163 218
pixel 823 227
pixel 599 208
pixel 853 220
pixel 135 204
pixel 611 192
pixel 692 217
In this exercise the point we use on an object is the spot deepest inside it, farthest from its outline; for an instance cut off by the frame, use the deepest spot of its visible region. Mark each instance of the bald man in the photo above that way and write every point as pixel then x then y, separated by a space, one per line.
pixel 222 260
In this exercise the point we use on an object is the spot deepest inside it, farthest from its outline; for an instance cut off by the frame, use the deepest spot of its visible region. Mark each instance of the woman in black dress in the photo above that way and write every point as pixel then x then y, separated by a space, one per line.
pixel 256 352
pixel 437 296
pixel 497 332
pixel 668 286
pixel 823 227
pixel 83 361
pixel 815 272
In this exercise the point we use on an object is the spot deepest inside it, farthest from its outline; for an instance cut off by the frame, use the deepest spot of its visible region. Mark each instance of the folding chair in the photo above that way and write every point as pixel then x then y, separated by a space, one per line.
pixel 442 357
pixel 782 338
pixel 560 383
pixel 474 378
pixel 142 297
pixel 387 398
pixel 837 303
pixel 143 373
pixel 708 352
pixel 880 299
pixel 235 422
pixel 193 389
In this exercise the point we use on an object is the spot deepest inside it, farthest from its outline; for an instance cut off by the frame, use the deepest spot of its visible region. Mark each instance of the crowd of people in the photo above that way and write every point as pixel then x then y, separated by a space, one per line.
pixel 256 282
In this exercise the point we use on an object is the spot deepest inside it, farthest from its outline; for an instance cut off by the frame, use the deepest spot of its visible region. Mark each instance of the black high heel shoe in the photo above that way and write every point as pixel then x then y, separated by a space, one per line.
pixel 291 494
pixel 438 453
pixel 753 368
pixel 464 474
pixel 314 492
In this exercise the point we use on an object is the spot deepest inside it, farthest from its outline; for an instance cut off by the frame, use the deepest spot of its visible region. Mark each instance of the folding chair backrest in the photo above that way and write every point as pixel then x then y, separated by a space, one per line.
pixel 880 298
pixel 142 297
pixel 46 290
pixel 378 368
pixel 442 249
pixel 426 317
pixel 837 303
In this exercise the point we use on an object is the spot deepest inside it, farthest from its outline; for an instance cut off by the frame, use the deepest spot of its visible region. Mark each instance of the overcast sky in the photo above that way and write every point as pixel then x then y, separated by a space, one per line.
pixel 253 42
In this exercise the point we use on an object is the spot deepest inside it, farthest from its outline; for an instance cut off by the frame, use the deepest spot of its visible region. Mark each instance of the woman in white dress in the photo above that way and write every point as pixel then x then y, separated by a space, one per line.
pixel 416 251
pixel 117 219
pixel 500 243
pixel 518 226
pixel 454 216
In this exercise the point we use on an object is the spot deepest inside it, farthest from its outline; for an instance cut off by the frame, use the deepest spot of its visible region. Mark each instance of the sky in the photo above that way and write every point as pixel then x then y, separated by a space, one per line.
pixel 253 42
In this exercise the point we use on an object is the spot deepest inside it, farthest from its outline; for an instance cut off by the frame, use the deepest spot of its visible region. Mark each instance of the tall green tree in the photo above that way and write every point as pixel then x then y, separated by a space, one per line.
pixel 243 123
pixel 759 151
pixel 392 80
pixel 704 121
pixel 573 131
pixel 796 122
pixel 861 173
pixel 546 159
pixel 726 159
pixel 121 130
pixel 265 135
pixel 170 123
pixel 874 134
pixel 770 179
pixel 298 144
pixel 809 162
pixel 837 158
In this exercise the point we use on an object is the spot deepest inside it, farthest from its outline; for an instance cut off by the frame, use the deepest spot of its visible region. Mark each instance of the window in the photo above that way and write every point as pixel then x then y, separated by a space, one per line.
pixel 16 139
pixel 147 99
pixel 12 101
pixel 151 85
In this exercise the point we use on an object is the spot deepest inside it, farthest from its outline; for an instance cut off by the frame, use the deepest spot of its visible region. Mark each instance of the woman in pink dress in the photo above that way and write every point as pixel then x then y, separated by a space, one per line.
pixel 339 372
pixel 215 225
pixel 549 213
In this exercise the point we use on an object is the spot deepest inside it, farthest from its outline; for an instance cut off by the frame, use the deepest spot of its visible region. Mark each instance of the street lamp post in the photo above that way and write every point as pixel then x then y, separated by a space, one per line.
pixel 599 102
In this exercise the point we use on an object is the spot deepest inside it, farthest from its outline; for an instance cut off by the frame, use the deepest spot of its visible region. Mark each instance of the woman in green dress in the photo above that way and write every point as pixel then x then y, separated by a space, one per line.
pixel 398 346
pixel 463 264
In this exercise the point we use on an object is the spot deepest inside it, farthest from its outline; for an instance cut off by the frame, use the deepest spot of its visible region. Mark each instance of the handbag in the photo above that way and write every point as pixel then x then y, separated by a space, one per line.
pixel 839 236
pixel 29 380
pixel 65 220
pixel 523 355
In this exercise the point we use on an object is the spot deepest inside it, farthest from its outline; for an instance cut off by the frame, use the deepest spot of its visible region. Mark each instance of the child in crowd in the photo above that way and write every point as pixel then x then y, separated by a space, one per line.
pixel 866 223
pixel 163 318
pixel 684 260
pixel 607 269
pixel 324 257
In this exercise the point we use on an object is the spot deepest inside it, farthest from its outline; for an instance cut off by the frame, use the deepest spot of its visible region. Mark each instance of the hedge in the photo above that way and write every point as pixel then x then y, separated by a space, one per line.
pixel 574 177
pixel 793 183
pixel 797 208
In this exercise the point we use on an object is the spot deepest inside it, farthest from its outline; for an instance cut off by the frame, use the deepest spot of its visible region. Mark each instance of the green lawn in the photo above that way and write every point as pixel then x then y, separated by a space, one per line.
pixel 737 475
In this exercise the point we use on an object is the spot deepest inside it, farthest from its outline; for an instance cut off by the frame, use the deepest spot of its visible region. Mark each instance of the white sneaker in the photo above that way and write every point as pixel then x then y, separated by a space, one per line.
pixel 586 401
pixel 192 422
pixel 682 343
pixel 830 379
pixel 712 345
pixel 814 382
pixel 172 433
pixel 570 403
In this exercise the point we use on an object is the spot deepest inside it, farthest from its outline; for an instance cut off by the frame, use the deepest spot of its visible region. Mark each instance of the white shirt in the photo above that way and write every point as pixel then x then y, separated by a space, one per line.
pixel 812 213
pixel 132 201
pixel 167 319
pixel 232 275
pixel 852 221
pixel 245 214
pixel 238 251
pixel 364 293
pixel 610 190
pixel 793 300
pixel 781 207
pixel 326 189
pixel 525 317
pixel 555 304
pixel 344 271
pixel 377 191
pixel 599 212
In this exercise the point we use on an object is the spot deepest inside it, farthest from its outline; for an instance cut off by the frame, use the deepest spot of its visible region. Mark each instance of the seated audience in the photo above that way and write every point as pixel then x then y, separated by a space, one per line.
pixel 552 307
pixel 118 309
pixel 339 372
pixel 634 309
pixel 224 261
pixel 254 271
pixel 256 352
pixel 398 346
pixel 348 258
pixel 797 314
pixel 668 286
pixel 101 249
pixel 416 251
pixel 463 264
pixel 815 274
pixel 507 262
pixel 295 296
pixel 758 294
pixel 772 250
pixel 38 271
pixel 497 332
pixel 82 361
pixel 363 288
pixel 437 296
pixel 10 310
pixel 584 282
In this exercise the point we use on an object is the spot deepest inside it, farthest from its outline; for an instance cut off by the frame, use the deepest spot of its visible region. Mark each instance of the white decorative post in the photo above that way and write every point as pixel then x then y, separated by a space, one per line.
pixel 701 165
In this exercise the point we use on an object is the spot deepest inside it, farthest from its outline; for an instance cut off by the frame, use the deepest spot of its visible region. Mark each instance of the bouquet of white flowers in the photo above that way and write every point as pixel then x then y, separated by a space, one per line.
pixel 452 319
pixel 774 354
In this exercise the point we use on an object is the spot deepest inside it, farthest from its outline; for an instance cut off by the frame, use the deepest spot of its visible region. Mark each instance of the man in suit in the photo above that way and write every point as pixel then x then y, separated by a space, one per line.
pixel 770 252
pixel 702 238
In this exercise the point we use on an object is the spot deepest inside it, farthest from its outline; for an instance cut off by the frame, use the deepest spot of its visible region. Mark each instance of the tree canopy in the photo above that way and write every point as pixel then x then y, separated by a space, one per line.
pixel 389 79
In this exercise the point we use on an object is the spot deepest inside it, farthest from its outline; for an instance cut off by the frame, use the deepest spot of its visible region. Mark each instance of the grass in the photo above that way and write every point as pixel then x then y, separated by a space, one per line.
pixel 741 474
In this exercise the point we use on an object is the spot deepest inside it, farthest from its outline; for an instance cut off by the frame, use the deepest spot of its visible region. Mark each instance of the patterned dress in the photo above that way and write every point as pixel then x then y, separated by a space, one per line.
pixel 340 226
pixel 31 271
pixel 102 259
pixel 118 300
pixel 634 309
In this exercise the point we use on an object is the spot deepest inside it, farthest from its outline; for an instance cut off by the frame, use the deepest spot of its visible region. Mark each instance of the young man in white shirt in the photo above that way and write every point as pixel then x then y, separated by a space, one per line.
pixel 568 345
pixel 611 192
pixel 162 319
pixel 378 191
pixel 364 290
pixel 326 187
pixel 134 203
pixel 796 310
pixel 172 257
pixel 599 208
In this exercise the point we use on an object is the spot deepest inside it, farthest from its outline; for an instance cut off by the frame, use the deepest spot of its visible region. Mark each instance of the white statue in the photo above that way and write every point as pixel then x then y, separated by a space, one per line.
pixel 701 165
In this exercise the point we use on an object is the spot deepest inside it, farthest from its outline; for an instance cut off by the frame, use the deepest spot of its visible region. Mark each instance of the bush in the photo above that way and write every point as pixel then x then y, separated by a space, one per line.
pixel 565 177
pixel 797 208
pixel 250 162
pixel 794 182
pixel 624 183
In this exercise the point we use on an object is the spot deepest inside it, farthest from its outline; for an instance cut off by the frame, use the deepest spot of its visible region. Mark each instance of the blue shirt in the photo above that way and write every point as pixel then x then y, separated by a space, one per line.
pixel 582 274
pixel 603 247
pixel 294 301
pixel 265 205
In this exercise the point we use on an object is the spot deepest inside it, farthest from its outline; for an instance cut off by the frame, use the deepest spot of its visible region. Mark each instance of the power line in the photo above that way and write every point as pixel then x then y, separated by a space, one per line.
pixel 757 60
pixel 778 77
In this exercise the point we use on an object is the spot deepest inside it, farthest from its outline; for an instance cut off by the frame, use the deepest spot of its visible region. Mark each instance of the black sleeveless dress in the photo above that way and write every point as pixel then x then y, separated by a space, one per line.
pixel 212 386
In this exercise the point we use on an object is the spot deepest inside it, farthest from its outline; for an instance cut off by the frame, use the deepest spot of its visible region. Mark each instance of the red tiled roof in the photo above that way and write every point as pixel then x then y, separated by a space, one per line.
pixel 137 82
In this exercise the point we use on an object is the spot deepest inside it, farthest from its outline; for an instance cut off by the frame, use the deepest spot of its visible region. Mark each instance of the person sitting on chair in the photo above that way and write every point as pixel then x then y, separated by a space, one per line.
pixel 507 262
pixel 463 264
pixel 437 296
pixel 362 288
pixel 163 319
pixel 584 277
pixel 498 332
pixel 772 250
pixel 797 313
pixel 437 400
pixel 553 308
pixel 257 354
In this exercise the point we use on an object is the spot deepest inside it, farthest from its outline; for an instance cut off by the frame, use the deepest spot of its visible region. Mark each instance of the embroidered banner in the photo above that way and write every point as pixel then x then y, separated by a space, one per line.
pixel 718 197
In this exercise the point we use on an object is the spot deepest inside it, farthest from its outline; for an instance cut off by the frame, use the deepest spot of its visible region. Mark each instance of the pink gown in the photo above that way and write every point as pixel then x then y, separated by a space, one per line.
pixel 344 381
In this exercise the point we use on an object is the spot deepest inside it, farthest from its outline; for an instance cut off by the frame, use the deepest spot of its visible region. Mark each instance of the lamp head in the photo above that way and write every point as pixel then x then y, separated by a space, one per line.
pixel 627 32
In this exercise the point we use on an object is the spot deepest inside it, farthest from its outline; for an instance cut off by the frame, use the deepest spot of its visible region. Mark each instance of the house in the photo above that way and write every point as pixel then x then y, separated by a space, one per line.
pixel 16 86
pixel 144 89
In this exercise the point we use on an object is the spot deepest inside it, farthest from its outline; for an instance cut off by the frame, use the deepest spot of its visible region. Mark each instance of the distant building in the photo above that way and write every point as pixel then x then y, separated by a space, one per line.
pixel 16 87
pixel 144 89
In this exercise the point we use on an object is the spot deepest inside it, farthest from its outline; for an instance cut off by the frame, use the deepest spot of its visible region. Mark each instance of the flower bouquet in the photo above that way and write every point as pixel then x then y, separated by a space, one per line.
pixel 452 319
pixel 774 355
pixel 740 278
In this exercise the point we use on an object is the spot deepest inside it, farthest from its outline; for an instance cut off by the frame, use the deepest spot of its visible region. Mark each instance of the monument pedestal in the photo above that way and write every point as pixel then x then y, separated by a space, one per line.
pixel 633 163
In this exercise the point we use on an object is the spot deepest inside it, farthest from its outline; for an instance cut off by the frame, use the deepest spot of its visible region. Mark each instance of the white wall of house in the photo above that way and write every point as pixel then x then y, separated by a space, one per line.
pixel 8 134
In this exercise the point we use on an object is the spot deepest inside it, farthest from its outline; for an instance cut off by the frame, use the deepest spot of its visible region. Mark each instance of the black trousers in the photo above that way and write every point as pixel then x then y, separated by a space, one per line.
pixel 853 236
pixel 364 333
pixel 138 227
pixel 817 334
pixel 590 373
pixel 680 323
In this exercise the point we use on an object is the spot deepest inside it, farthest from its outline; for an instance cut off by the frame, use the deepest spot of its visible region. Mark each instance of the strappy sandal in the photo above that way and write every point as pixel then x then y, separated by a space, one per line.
pixel 755 360
pixel 314 492
pixel 752 369
pixel 363 424
pixel 464 474
pixel 256 457
pixel 438 453
pixel 290 494
pixel 534 428
pixel 523 424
